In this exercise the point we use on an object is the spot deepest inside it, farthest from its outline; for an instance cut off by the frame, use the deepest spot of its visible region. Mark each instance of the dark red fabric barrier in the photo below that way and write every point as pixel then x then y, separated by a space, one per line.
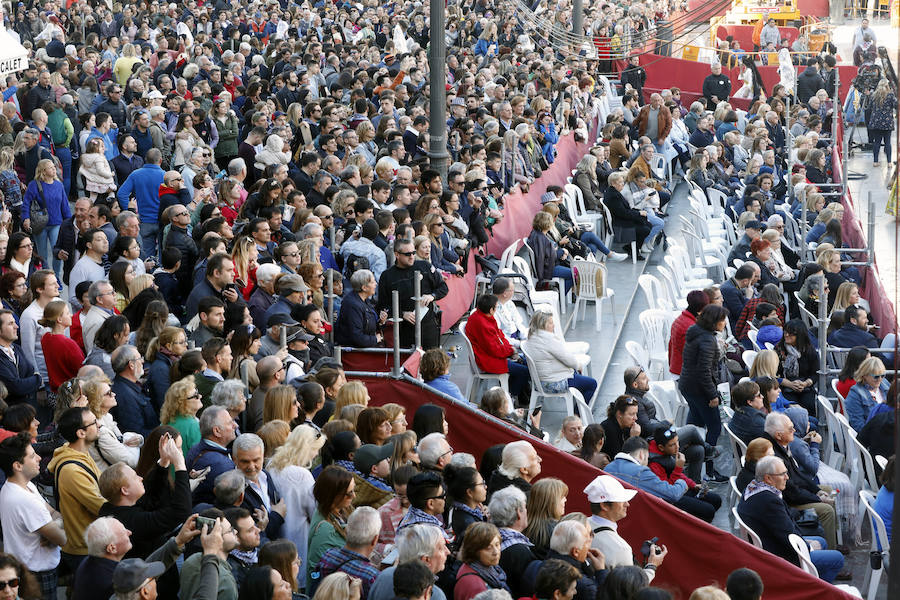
pixel 699 554
pixel 518 212
pixel 744 34
pixel 882 309
pixel 360 360
pixel 663 72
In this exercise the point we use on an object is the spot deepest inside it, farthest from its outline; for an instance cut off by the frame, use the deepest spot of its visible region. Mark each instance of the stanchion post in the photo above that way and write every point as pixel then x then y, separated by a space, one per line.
pixel 395 310
pixel 822 331
pixel 417 297
pixel 870 242
pixel 788 143
pixel 804 224
pixel 330 288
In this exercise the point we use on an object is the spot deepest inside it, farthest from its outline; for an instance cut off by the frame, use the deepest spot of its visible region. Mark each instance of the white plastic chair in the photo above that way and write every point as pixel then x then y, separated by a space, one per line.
pixel 557 285
pixel 568 396
pixel 656 325
pixel 653 290
pixel 738 447
pixel 751 335
pixel 748 356
pixel 677 297
pixel 879 544
pixel 575 204
pixel 744 532
pixel 735 498
pixel 861 467
pixel 802 550
pixel 688 267
pixel 638 354
pixel 587 273
pixel 683 282
pixel 479 376
pixel 507 256
pixel 708 259
pixel 551 297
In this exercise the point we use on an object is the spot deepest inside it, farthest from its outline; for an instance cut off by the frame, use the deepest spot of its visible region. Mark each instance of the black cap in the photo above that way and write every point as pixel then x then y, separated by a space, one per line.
pixel 280 319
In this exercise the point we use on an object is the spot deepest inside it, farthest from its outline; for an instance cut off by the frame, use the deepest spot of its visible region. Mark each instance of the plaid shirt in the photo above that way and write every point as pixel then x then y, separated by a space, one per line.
pixel 511 537
pixel 414 516
pixel 351 563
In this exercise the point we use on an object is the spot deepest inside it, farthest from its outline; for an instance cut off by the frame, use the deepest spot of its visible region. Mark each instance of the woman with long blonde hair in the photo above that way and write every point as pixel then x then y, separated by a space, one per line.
pixel 244 255
pixel 289 468
pixel 765 364
pixel 281 403
pixel 546 506
pixel 179 410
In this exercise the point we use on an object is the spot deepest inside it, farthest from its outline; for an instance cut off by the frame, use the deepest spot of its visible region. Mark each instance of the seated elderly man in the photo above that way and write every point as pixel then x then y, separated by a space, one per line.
pixel 519 465
pixel 764 510
pixel 435 452
pixel 800 491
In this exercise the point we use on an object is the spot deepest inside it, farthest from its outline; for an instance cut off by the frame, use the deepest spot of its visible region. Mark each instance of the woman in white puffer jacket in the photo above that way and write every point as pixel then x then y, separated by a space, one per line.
pixel 556 365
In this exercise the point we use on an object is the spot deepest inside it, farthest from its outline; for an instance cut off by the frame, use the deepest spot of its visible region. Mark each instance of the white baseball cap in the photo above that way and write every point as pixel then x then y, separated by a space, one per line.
pixel 606 488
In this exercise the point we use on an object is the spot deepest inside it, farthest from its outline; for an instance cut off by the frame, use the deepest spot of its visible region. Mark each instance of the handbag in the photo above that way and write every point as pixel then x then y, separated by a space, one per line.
pixel 807 522
pixel 39 216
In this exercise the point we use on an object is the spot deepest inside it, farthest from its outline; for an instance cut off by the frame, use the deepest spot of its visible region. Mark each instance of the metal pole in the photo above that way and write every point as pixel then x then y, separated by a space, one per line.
pixel 417 297
pixel 330 288
pixel 870 252
pixel 788 144
pixel 804 224
pixel 331 238
pixel 893 568
pixel 395 310
pixel 437 86
pixel 823 333
pixel 578 18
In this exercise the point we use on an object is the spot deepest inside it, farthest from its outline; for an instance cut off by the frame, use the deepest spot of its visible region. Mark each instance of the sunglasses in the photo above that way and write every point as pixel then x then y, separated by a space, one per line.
pixel 406 253
pixel 13 583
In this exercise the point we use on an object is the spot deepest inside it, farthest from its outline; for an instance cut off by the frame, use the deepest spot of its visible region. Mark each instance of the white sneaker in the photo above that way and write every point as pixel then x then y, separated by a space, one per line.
pixel 616 256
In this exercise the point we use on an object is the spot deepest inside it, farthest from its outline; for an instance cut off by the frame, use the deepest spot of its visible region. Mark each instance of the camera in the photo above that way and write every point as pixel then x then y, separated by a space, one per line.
pixel 648 546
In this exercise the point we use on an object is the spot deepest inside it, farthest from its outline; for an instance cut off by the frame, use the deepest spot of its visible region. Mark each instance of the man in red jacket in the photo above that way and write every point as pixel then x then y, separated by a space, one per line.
pixel 493 353
pixel 696 301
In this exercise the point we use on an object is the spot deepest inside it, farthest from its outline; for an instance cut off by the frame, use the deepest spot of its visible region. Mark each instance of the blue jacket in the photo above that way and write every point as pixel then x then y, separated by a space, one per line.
pixel 357 323
pixel 133 411
pixel 144 185
pixel 207 454
pixel 859 402
pixel 748 423
pixel 55 202
pixel 158 380
pixel 111 150
pixel 20 378
pixel 734 300
pixel 443 384
pixel 644 479
pixel 850 336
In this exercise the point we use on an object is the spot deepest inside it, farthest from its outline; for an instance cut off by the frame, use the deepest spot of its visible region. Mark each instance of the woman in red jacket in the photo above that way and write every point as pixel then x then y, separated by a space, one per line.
pixel 696 301
pixel 493 353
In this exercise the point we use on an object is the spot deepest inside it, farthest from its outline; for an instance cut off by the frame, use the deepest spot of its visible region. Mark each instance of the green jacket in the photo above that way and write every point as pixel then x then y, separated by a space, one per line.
pixel 195 583
pixel 228 136
pixel 322 537
pixel 60 128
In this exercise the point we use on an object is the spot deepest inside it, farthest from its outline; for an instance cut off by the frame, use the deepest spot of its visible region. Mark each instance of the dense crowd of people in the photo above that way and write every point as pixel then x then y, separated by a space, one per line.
pixel 201 201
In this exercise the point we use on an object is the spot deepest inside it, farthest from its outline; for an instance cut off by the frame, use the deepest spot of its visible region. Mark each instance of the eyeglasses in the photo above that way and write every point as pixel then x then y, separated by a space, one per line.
pixel 441 497
pixel 89 425
pixel 782 474
pixel 449 451
pixel 183 214
pixel 876 376
pixel 406 253
pixel 349 213
pixel 195 395
pixel 13 583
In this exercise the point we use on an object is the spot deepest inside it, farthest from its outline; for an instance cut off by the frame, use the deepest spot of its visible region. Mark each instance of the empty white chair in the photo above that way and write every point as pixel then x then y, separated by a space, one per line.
pixel 656 325
pixel 638 354
pixel 751 335
pixel 879 544
pixel 507 256
pixel 653 290
pixel 677 298
pixel 592 277
pixel 748 356
pixel 478 376
pixel 738 447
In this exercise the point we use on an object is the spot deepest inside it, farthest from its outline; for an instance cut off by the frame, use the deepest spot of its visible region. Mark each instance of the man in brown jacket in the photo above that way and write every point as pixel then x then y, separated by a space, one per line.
pixel 642 165
pixel 655 121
